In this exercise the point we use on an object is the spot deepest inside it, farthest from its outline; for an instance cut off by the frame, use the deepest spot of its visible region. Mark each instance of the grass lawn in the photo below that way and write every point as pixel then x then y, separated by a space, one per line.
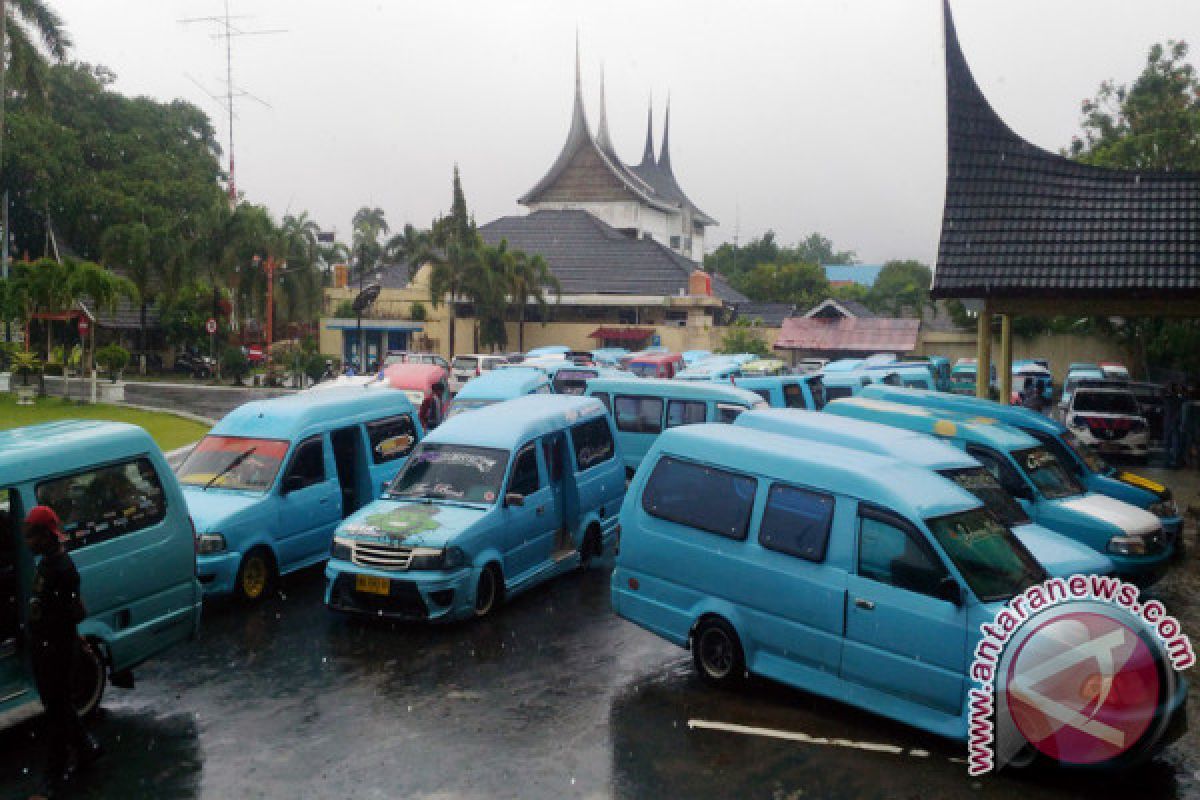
pixel 168 430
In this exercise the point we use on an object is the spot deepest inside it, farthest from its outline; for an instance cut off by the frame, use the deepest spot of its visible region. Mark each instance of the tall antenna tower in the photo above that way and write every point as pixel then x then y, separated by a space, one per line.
pixel 227 31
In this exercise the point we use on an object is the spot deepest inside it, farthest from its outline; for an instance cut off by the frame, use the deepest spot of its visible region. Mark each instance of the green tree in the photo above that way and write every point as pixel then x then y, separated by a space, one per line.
pixel 818 249
pixel 815 249
pixel 745 336
pixel 35 36
pixel 528 278
pixel 369 224
pixel 803 285
pixel 452 251
pixel 901 288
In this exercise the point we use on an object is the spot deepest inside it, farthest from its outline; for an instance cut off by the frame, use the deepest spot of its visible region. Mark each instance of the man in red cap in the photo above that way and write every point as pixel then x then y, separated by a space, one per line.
pixel 55 608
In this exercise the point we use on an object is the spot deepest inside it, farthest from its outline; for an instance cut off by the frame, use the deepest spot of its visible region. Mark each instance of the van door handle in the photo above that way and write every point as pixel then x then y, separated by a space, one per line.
pixel 865 605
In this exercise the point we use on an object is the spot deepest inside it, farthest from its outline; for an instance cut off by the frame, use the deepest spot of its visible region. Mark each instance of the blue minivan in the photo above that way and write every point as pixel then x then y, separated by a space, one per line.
pixel 1047 490
pixel 1059 555
pixel 1096 475
pixel 270 482
pixel 126 527
pixel 843 573
pixel 489 504
pixel 787 391
pixel 642 408
pixel 500 385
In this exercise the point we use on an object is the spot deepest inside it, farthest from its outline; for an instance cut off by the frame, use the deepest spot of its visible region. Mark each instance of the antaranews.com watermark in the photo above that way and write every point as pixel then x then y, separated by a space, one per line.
pixel 1070 664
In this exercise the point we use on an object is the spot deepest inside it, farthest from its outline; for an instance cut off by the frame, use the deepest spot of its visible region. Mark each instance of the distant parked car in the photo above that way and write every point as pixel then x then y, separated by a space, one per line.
pixel 1109 419
pixel 195 365
pixel 472 365
pixel 406 357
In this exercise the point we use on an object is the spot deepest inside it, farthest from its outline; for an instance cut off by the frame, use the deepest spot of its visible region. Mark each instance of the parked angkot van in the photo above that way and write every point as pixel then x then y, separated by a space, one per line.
pixel 270 482
pixel 499 385
pixel 843 573
pixel 1056 553
pixel 126 527
pixel 1047 490
pixel 656 365
pixel 715 369
pixel 489 504
pixel 1084 464
pixel 642 408
pixel 787 391
pixel 844 383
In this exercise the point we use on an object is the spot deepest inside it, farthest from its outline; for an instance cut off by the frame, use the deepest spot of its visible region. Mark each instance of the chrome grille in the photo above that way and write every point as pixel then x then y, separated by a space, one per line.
pixel 381 556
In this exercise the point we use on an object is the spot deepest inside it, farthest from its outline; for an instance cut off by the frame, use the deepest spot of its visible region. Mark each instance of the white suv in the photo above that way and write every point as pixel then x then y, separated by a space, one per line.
pixel 1108 419
pixel 463 368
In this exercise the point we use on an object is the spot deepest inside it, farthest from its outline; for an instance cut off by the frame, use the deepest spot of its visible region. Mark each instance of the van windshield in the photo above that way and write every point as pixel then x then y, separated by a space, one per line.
pixel 990 558
pixel 1047 473
pixel 451 472
pixel 981 483
pixel 233 462
pixel 643 370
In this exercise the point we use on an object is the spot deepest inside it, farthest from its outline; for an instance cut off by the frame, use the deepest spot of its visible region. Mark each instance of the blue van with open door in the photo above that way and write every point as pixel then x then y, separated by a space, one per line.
pixel 271 480
pixel 126 527
pixel 491 503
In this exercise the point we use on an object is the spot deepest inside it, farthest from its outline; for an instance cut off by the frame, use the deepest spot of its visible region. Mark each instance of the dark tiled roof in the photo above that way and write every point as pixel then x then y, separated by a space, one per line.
pixel 771 314
pixel 1019 220
pixel 847 334
pixel 589 256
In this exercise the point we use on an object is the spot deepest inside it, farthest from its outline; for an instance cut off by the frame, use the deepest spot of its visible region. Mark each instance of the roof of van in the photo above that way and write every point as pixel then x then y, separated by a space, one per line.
pixel 508 424
pixel 54 447
pixel 503 384
pixel 870 437
pixel 885 481
pixel 656 358
pixel 287 416
pixel 1016 416
pixel 767 381
pixel 974 428
pixel 667 387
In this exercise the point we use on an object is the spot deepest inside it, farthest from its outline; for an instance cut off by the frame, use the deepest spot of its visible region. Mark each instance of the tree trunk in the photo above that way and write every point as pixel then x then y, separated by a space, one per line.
pixel 142 359
pixel 521 328
pixel 450 336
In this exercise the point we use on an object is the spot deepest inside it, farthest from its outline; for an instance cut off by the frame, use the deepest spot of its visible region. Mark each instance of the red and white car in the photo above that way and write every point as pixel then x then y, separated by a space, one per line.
pixel 1109 419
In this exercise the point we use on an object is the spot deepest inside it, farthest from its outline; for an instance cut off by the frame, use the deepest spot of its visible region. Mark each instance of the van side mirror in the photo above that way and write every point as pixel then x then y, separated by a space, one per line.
pixel 514 499
pixel 949 590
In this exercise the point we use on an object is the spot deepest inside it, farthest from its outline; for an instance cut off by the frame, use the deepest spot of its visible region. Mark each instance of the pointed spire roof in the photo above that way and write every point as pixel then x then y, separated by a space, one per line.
pixel 659 175
pixel 602 136
pixel 648 151
pixel 664 152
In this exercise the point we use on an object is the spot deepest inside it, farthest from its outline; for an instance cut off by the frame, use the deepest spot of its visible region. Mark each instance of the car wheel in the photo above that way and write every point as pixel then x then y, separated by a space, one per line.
pixel 88 679
pixel 717 652
pixel 488 591
pixel 255 577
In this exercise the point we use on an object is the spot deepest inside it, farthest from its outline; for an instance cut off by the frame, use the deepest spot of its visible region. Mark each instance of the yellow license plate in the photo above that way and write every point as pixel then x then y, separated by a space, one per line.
pixel 372 584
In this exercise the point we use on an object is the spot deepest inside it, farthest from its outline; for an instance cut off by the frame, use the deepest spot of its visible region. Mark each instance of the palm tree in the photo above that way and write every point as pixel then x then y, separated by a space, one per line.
pixel 103 289
pixel 406 247
pixel 35 36
pixel 452 262
pixel 528 277
pixel 369 224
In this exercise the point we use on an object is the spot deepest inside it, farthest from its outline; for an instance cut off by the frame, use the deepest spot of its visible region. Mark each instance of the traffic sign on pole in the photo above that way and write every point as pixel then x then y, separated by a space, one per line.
pixel 211 326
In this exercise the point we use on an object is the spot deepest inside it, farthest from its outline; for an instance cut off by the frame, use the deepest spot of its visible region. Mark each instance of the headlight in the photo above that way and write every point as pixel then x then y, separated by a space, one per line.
pixel 1164 508
pixel 208 543
pixel 341 549
pixel 435 558
pixel 1127 545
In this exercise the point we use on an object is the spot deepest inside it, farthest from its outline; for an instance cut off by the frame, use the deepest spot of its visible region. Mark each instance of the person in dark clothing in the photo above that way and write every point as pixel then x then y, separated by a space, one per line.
pixel 55 608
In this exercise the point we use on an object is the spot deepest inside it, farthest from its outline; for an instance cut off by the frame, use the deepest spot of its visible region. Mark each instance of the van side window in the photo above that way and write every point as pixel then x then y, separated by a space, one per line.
pixel 837 392
pixel 685 412
pixel 727 413
pixel 524 480
pixel 892 555
pixel 593 443
pixel 308 464
pixel 638 414
pixel 796 522
pixel 793 396
pixel 700 497
pixel 391 438
pixel 999 467
pixel 106 502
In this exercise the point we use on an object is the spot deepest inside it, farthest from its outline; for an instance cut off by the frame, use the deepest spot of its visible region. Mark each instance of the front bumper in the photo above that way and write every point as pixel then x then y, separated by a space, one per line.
pixel 432 596
pixel 218 572
pixel 1144 570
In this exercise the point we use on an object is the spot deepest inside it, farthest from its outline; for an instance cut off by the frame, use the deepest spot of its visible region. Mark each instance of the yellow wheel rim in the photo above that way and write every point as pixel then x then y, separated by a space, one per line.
pixel 254 577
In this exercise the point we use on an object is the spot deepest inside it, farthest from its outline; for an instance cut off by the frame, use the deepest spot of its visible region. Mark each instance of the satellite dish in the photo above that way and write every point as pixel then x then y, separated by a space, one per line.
pixel 365 298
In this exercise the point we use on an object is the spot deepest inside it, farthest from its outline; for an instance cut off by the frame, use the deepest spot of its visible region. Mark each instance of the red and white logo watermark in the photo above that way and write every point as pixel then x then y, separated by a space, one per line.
pixel 1077 669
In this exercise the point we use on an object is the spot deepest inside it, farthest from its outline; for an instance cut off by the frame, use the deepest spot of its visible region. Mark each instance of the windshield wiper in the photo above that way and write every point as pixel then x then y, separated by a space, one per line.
pixel 238 459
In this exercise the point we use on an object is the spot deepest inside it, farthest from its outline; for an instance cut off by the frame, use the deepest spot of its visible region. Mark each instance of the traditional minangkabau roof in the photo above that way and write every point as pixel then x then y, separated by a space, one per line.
pixel 650 182
pixel 589 256
pixel 1021 221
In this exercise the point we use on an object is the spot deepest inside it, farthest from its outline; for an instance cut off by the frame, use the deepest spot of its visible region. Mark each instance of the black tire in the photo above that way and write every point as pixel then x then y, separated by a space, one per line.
pixel 591 548
pixel 488 591
pixel 88 680
pixel 255 577
pixel 717 653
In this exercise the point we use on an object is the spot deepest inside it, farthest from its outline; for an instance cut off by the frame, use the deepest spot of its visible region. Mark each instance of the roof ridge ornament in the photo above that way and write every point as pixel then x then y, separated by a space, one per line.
pixel 648 159
pixel 664 152
pixel 602 136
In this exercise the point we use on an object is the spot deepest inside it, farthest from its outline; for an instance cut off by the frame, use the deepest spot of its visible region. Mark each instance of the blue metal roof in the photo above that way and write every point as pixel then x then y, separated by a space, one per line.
pixel 910 490
pixel 290 416
pixel 511 423
pixel 504 384
pixel 871 437
pixel 974 428
pixel 67 445
pixel 862 274
pixel 683 390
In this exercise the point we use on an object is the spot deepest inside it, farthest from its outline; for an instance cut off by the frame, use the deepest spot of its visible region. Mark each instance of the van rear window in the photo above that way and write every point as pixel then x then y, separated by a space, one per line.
pixel 105 502
pixel 700 497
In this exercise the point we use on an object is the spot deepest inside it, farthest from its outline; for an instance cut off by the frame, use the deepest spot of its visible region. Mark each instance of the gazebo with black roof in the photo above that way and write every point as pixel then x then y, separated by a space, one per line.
pixel 1032 233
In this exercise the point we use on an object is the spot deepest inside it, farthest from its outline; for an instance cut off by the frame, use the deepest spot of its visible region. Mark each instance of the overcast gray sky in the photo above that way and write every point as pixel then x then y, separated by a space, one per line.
pixel 796 115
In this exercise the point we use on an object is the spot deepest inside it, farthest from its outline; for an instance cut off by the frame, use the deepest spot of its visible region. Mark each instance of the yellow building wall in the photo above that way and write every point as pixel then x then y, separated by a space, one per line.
pixel 1059 349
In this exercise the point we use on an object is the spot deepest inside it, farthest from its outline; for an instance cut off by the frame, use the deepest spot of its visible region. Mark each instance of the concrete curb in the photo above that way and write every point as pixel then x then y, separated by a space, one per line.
pixel 208 387
pixel 185 414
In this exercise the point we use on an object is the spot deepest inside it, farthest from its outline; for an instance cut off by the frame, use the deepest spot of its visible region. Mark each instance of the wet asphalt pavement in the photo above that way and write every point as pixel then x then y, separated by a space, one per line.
pixel 552 697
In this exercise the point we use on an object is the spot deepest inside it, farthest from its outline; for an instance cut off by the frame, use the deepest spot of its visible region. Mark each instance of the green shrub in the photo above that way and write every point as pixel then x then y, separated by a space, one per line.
pixel 235 364
pixel 417 313
pixel 112 359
